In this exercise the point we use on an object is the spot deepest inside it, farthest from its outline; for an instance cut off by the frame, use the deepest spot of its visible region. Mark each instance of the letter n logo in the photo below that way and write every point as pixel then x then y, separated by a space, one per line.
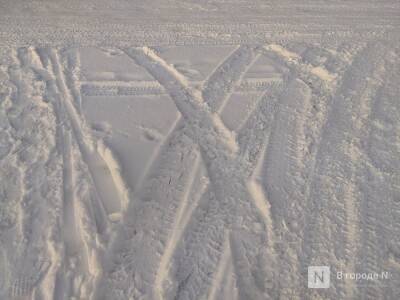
pixel 319 277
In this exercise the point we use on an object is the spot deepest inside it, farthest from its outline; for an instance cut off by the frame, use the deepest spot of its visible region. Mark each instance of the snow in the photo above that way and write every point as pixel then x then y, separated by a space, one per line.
pixel 199 149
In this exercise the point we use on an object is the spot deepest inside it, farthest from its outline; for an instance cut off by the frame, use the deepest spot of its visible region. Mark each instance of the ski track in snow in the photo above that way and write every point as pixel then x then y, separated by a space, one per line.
pixel 207 161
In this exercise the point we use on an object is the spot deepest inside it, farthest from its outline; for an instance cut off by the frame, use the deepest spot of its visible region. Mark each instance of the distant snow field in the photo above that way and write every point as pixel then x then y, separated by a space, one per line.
pixel 211 150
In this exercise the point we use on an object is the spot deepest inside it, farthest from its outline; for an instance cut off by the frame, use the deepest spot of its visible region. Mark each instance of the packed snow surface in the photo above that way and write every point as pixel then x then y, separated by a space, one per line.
pixel 211 150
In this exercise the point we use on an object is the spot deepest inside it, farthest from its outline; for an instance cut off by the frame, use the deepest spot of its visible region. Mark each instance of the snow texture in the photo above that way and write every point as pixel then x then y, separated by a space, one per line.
pixel 211 150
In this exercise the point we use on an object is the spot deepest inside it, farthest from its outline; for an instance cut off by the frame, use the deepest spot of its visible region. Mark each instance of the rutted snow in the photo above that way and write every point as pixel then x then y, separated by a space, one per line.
pixel 213 153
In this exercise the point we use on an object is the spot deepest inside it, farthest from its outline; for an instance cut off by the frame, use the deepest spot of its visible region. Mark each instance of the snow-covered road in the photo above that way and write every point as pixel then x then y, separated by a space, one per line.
pixel 199 149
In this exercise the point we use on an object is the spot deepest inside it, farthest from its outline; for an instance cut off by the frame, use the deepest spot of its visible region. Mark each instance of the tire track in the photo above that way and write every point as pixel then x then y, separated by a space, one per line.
pixel 75 257
pixel 332 234
pixel 70 231
pixel 72 76
pixel 189 102
pixel 244 266
pixel 159 197
pixel 103 171
pixel 301 148
pixel 166 153
pixel 121 88
pixel 380 243
pixel 176 233
pixel 72 247
pixel 31 124
pixel 256 129
pixel 287 122
pixel 230 207
pixel 91 223
pixel 226 76
pixel 223 172
pixel 78 216
pixel 196 261
pixel 56 245
pixel 150 88
pixel 284 174
pixel 44 70
pixel 222 272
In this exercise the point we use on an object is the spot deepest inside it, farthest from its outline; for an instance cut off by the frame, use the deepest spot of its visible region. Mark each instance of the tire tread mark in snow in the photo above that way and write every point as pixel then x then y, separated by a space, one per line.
pixel 106 185
pixel 72 239
pixel 177 88
pixel 226 77
pixel 283 174
pixel 204 123
pixel 332 229
pixel 28 267
pixel 156 165
pixel 382 229
pixel 160 196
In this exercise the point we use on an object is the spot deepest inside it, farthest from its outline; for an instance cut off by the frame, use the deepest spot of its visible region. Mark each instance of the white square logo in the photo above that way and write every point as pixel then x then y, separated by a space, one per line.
pixel 319 277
